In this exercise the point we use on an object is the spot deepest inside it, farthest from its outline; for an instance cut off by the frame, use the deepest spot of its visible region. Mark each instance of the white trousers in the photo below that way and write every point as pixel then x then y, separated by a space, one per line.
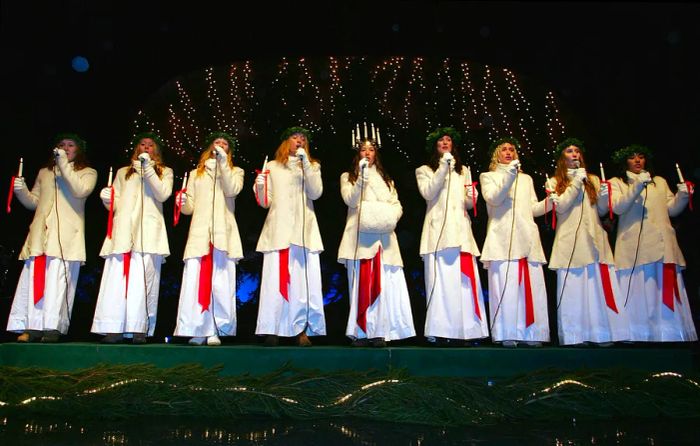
pixel 220 318
pixel 304 309
pixel 583 314
pixel 451 312
pixel 508 314
pixel 129 311
pixel 650 319
pixel 390 315
pixel 53 311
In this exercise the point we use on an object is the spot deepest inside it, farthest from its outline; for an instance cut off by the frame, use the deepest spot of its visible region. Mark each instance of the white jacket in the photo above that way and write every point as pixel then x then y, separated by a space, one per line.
pixel 126 232
pixel 375 190
pixel 73 188
pixel 200 198
pixel 289 208
pixel 658 239
pixel 592 243
pixel 457 230
pixel 498 190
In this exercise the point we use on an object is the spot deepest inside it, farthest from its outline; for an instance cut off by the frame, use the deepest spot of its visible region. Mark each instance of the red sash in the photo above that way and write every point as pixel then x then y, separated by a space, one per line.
pixel 689 184
pixel 369 287
pixel 206 269
pixel 670 285
pixel 524 273
pixel 284 273
pixel 126 257
pixel 467 268
pixel 178 206
pixel 11 191
pixel 39 277
pixel 607 287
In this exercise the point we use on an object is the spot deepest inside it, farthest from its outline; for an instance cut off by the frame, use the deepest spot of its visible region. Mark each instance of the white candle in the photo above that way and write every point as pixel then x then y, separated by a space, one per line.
pixel 469 175
pixel 602 172
pixel 365 134
pixel 21 166
pixel 359 135
pixel 379 138
pixel 546 182
pixel 680 175
pixel 374 135
pixel 353 139
pixel 184 182
pixel 109 178
pixel 264 164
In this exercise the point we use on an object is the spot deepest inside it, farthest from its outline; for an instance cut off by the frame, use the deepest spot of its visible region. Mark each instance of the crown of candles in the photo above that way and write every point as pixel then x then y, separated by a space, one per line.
pixel 366 137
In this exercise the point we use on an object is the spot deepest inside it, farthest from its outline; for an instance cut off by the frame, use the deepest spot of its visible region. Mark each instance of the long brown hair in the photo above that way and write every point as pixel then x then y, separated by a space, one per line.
pixel 80 161
pixel 157 159
pixel 353 172
pixel 435 156
pixel 563 180
pixel 282 153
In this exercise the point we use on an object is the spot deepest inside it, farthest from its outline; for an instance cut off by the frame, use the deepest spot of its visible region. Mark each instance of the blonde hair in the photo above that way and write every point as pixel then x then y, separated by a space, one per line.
pixel 157 158
pixel 494 155
pixel 207 154
pixel 282 153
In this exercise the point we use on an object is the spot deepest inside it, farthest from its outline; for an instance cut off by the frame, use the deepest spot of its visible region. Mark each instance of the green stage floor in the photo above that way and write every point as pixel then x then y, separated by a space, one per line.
pixel 466 362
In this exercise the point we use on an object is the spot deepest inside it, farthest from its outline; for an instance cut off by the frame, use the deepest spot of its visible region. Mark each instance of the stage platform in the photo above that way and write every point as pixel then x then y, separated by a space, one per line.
pixel 418 361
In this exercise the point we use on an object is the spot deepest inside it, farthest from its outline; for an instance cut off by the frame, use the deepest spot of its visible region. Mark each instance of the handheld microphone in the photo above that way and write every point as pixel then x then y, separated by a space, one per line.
pixel 55 152
pixel 216 152
pixel 144 158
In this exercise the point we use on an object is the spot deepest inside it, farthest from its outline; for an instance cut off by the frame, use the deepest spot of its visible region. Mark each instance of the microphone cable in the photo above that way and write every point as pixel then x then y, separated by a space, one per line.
pixel 303 241
pixel 143 261
pixel 639 239
pixel 437 243
pixel 211 235
pixel 510 248
pixel 355 260
pixel 573 248
pixel 60 245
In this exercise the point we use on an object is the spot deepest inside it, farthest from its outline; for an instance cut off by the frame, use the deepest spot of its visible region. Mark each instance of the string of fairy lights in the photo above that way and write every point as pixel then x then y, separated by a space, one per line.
pixel 405 97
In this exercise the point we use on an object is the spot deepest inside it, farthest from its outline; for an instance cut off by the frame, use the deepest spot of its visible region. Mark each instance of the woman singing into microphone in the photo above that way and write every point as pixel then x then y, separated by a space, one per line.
pixel 588 299
pixel 512 251
pixel 55 246
pixel 207 306
pixel 128 299
pixel 380 308
pixel 454 299
pixel 291 299
pixel 647 256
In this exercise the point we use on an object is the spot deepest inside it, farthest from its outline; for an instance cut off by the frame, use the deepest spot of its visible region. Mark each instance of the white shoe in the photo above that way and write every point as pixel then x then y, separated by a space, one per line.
pixel 510 344
pixel 198 341
pixel 213 340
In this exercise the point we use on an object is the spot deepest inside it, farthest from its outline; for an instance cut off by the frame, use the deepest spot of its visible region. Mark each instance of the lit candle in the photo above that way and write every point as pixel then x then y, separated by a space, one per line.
pixel 109 178
pixel 379 138
pixel 353 139
pixel 680 175
pixel 264 164
pixel 469 175
pixel 365 124
pixel 184 182
pixel 21 165
pixel 359 135
pixel 374 135
pixel 546 182
pixel 602 172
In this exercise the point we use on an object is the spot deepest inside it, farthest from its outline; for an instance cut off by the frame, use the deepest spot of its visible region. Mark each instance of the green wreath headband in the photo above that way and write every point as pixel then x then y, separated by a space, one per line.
pixel 80 142
pixel 506 139
pixel 568 142
pixel 621 155
pixel 232 142
pixel 292 130
pixel 143 135
pixel 433 138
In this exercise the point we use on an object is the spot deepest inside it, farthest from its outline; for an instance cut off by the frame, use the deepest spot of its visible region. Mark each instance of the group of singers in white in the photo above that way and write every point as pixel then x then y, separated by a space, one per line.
pixel 633 294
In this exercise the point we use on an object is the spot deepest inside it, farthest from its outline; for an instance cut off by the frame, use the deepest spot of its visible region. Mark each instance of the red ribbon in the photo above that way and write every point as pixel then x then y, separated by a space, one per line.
pixel 670 285
pixel 607 287
pixel 206 269
pixel 524 273
pixel 110 218
pixel 178 206
pixel 284 273
pixel 610 207
pixel 258 172
pixel 467 268
pixel 39 277
pixel 370 285
pixel 10 192
pixel 689 184
pixel 126 257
